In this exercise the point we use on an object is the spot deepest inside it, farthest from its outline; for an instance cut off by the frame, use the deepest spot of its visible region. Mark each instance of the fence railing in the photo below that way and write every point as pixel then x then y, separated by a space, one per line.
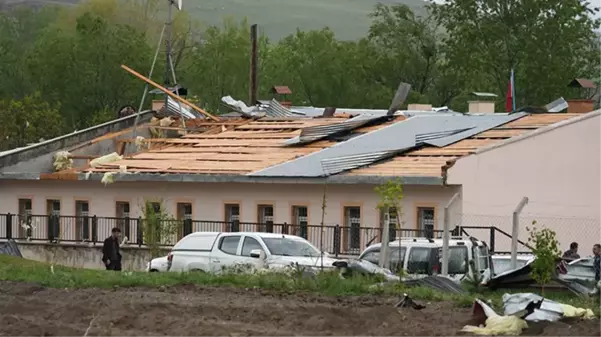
pixel 335 239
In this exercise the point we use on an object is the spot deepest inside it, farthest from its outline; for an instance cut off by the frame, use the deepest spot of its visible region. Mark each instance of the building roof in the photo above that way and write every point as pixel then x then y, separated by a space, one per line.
pixel 243 150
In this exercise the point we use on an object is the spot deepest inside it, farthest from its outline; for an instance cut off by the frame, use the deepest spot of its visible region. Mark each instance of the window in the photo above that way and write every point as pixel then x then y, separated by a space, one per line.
pixel 290 246
pixel 25 211
pixel 419 260
pixel 458 262
pixel 397 258
pixel 184 215
pixel 480 256
pixel 82 220
pixel 352 222
pixel 250 244
pixel 372 256
pixel 300 221
pixel 265 220
pixel 425 221
pixel 229 244
pixel 122 214
pixel 232 217
pixel 53 209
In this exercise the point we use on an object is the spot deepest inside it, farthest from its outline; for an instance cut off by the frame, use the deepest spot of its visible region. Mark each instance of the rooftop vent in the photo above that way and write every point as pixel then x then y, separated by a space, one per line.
pixel 587 90
pixel 280 93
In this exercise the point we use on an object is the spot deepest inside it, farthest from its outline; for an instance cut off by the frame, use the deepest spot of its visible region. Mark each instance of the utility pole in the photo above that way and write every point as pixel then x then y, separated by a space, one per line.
pixel 168 25
pixel 252 90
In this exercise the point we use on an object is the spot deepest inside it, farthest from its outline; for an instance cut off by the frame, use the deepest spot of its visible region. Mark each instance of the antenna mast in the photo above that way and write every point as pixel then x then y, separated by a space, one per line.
pixel 166 80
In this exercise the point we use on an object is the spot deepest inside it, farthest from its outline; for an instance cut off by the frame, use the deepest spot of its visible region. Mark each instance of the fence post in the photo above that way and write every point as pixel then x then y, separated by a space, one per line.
pixel 516 231
pixel 336 240
pixel 446 235
pixel 9 226
pixel 385 240
pixel 492 239
pixel 94 229
pixel 140 233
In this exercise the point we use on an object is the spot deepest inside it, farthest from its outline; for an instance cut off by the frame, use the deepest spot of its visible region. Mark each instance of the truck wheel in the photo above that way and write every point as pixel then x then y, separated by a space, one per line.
pixel 197 271
pixel 154 271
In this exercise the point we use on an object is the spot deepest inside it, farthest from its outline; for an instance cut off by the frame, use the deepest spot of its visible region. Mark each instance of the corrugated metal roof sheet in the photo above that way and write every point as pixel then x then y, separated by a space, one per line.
pixel 313 133
pixel 275 109
pixel 180 109
pixel 368 148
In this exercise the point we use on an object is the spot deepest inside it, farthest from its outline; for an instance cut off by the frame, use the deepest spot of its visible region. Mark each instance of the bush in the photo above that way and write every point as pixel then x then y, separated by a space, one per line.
pixel 545 248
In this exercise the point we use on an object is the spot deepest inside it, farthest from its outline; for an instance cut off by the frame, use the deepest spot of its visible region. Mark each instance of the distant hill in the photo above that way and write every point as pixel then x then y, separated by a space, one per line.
pixel 277 18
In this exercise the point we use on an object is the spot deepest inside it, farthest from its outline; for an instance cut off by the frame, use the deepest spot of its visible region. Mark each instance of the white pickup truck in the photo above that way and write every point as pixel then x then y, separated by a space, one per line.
pixel 214 251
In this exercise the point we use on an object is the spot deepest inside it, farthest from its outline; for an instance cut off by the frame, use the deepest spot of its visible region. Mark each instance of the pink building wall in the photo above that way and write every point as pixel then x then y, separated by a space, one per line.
pixel 558 169
pixel 208 199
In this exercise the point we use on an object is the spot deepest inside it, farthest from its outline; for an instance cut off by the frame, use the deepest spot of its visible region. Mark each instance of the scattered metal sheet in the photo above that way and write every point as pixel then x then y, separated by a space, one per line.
pixel 385 142
pixel 557 105
pixel 177 108
pixel 408 302
pixel 240 106
pixel 436 282
pixel 532 307
pixel 314 133
pixel 275 109
pixel 10 248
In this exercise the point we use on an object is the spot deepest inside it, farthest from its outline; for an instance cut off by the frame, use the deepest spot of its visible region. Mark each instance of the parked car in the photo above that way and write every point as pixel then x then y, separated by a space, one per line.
pixel 214 251
pixel 502 262
pixel 424 256
pixel 159 264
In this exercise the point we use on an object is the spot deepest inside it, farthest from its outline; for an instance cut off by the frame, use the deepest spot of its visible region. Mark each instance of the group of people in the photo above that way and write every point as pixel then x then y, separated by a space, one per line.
pixel 572 254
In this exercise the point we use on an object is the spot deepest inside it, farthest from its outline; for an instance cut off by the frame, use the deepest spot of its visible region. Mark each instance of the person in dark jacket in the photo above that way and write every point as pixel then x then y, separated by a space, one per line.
pixel 110 251
pixel 597 261
pixel 572 253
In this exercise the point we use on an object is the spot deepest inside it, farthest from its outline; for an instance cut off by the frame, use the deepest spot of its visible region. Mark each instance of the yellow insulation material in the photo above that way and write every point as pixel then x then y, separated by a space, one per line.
pixel 109 158
pixel 62 161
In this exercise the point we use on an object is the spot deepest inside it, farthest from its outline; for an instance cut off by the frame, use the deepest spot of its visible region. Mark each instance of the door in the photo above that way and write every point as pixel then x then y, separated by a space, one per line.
pixel 425 221
pixel 227 253
pixel 249 244
pixel 300 221
pixel 265 219
pixel 232 217
pixel 82 220
pixel 184 215
pixel 53 210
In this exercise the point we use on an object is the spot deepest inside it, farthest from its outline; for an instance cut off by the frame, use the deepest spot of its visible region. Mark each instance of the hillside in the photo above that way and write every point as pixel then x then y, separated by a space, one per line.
pixel 277 18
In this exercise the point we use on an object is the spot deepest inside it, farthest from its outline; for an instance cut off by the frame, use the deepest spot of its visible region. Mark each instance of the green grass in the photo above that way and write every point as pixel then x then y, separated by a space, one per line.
pixel 22 270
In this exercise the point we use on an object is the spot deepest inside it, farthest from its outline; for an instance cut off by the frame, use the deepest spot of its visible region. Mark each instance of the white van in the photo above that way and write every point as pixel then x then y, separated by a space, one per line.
pixel 422 256
pixel 213 251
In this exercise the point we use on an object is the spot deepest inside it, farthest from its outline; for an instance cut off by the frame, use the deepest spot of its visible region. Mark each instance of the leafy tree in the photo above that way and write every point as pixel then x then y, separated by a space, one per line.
pixel 391 198
pixel 81 69
pixel 547 42
pixel 545 248
pixel 28 121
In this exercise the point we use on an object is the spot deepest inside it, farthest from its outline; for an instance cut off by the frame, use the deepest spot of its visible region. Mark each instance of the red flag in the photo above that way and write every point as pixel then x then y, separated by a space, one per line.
pixel 509 98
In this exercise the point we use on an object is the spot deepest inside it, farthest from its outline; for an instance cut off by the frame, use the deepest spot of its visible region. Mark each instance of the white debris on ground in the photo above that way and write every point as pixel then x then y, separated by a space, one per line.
pixel 496 324
pixel 548 310
pixel 62 161
pixel 109 158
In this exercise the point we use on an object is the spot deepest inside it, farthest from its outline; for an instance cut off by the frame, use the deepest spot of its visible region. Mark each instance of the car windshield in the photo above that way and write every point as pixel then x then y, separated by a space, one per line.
pixel 457 260
pixel 290 247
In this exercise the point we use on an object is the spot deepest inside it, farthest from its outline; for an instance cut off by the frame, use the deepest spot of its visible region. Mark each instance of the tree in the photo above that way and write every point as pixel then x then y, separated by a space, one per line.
pixel 547 42
pixel 81 69
pixel 28 121
pixel 391 197
pixel 545 248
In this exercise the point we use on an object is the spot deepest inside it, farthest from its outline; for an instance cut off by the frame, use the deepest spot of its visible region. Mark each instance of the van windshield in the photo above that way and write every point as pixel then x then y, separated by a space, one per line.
pixel 290 247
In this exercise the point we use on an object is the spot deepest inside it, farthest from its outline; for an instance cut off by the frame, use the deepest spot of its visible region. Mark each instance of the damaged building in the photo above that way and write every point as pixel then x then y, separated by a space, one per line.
pixel 267 166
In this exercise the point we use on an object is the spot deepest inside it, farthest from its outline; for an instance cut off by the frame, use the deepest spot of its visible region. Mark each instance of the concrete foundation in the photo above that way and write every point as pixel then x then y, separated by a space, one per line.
pixel 84 256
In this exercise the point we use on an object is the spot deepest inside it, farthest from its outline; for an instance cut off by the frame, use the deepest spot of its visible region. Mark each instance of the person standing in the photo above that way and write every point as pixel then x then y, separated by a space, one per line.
pixel 572 253
pixel 111 257
pixel 597 262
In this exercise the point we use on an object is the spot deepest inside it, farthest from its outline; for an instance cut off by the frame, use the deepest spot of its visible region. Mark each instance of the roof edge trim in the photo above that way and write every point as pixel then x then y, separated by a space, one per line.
pixel 220 178
pixel 537 132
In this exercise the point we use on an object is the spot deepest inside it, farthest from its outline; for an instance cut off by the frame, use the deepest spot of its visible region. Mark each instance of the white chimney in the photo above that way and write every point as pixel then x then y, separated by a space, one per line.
pixel 481 107
pixel 419 107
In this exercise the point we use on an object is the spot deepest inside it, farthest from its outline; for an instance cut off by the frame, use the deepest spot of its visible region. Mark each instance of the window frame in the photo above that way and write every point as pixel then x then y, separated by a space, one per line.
pixel 227 237
pixel 251 238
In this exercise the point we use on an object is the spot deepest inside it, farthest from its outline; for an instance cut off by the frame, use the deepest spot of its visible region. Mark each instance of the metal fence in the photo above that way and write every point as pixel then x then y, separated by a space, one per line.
pixel 335 239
